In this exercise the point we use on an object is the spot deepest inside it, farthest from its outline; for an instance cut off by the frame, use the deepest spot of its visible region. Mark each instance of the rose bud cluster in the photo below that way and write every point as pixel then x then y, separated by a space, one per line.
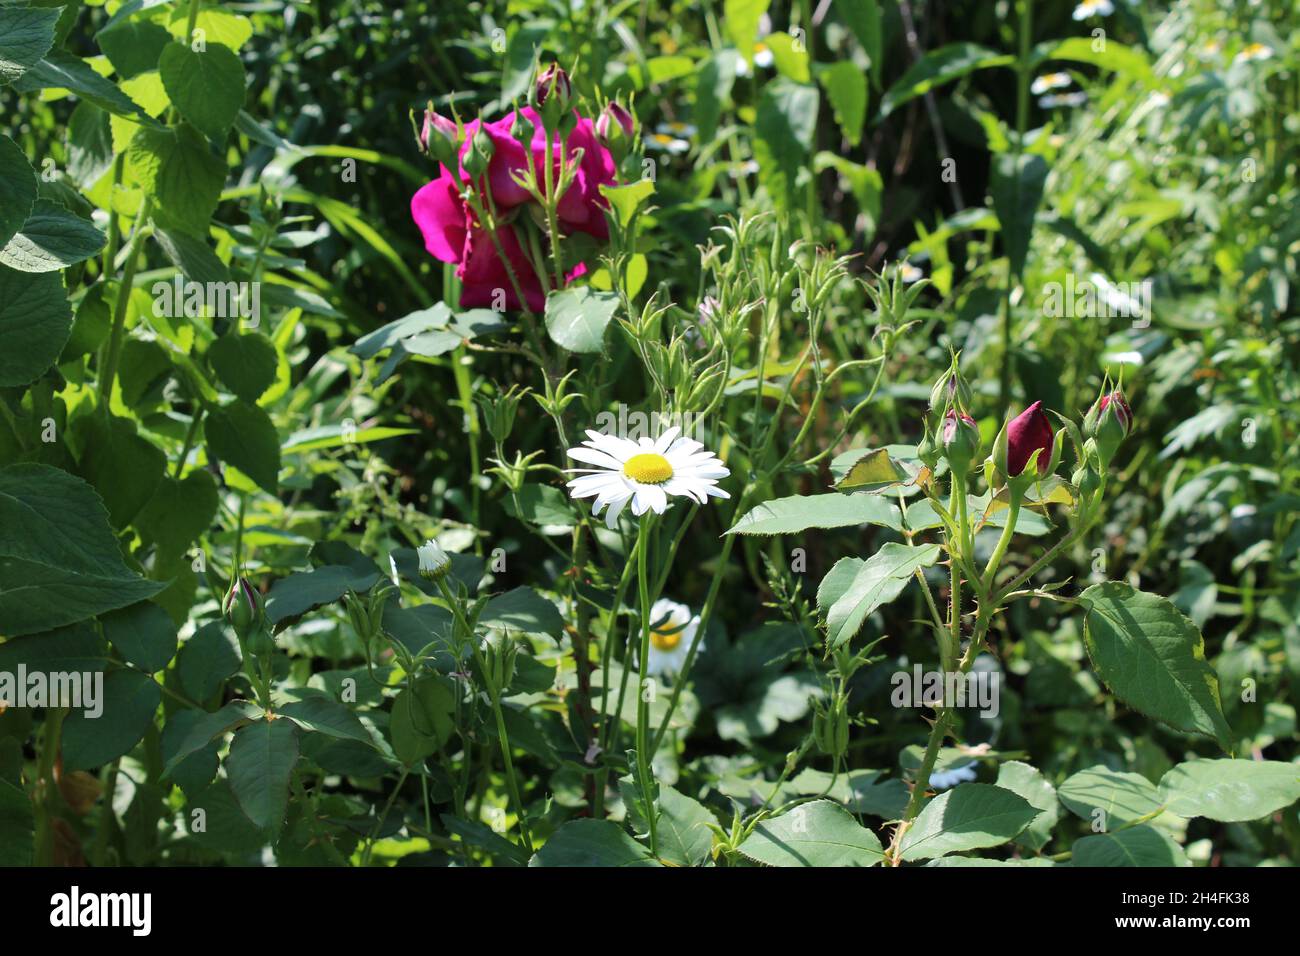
pixel 497 170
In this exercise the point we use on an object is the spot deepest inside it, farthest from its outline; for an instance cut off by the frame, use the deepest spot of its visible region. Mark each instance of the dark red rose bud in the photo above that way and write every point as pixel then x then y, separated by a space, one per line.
pixel 1028 432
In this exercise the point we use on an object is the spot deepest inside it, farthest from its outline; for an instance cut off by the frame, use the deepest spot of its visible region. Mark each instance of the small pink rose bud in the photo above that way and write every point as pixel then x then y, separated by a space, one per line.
pixel 614 123
pixel 439 125
pixel 1028 432
pixel 553 86
pixel 243 608
pixel 1119 409
pixel 961 439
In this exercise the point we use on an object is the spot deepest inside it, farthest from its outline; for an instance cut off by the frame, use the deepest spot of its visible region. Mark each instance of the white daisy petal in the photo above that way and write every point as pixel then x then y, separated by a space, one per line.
pixel 593 457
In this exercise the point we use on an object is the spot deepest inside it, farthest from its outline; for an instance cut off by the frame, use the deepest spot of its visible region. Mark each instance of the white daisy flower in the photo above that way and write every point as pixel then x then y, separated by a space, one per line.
pixel 434 562
pixel 672 630
pixel 950 778
pixel 666 142
pixel 909 273
pixel 762 55
pixel 683 130
pixel 1255 51
pixel 1049 81
pixel 1093 8
pixel 644 472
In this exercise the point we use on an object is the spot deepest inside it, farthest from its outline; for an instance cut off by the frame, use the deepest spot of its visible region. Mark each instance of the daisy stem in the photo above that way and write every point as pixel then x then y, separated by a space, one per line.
pixel 494 694
pixel 643 750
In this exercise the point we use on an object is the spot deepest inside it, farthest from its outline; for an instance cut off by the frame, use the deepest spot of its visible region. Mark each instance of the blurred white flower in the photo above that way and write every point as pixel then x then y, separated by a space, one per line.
pixel 1255 51
pixel 910 273
pixel 672 629
pixel 1049 81
pixel 1093 8
pixel 950 778
pixel 671 137
pixel 646 473
pixel 1076 98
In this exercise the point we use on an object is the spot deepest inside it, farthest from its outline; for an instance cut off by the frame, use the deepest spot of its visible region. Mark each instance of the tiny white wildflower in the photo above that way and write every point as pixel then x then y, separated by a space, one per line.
pixel 1093 8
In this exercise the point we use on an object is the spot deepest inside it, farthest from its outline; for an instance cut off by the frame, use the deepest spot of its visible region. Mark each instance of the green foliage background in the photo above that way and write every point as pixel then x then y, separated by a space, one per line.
pixel 144 455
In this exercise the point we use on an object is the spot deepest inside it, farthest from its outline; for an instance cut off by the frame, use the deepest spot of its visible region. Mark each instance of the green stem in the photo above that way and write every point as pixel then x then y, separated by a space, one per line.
pixel 643 750
pixel 494 694
pixel 113 351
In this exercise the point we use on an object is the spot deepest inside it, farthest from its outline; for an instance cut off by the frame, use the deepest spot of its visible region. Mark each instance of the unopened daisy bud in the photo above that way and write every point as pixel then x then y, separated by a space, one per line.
pixel 960 437
pixel 434 562
pixel 243 608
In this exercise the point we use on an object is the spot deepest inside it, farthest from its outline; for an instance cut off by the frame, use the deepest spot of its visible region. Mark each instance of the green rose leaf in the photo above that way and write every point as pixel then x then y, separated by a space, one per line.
pixel 799 513
pixel 592 843
pixel 143 634
pixel 422 719
pixel 876 582
pixel 1153 658
pixel 325 716
pixel 1230 791
pixel 1028 782
pixel 262 755
pixel 130 700
pixel 576 318
pixel 208 658
pixel 1136 846
pixel 820 833
pixel 682 825
pixel 972 816
pixel 1121 798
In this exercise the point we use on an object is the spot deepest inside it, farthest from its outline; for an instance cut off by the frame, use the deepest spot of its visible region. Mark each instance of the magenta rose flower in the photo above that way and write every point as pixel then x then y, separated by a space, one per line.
pixel 1028 432
pixel 452 233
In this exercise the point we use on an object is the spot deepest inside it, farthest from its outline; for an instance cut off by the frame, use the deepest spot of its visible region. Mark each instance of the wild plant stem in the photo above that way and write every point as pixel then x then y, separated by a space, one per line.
pixel 643 750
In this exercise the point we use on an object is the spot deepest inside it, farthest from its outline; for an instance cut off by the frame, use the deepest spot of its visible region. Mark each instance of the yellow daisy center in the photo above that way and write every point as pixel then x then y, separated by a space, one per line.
pixel 649 468
pixel 666 640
